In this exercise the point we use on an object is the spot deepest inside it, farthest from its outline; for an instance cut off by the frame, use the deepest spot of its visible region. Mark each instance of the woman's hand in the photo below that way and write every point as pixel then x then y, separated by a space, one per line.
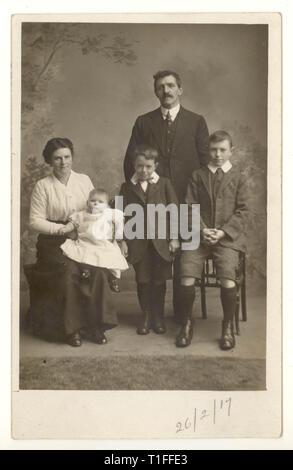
pixel 124 249
pixel 66 228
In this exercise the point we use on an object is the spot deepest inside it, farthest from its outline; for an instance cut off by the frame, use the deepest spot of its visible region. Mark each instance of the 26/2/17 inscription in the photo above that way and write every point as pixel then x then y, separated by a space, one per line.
pixel 216 411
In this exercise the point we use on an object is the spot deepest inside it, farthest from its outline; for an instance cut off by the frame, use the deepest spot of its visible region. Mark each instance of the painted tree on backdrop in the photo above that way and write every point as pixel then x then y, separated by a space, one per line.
pixel 43 46
pixel 251 157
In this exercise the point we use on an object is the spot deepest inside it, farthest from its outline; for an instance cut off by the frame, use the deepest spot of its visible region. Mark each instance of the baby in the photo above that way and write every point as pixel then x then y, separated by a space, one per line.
pixel 97 229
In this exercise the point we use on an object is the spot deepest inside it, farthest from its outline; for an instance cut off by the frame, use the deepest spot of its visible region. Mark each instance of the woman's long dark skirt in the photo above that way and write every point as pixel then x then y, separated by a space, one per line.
pixel 66 295
pixel 88 300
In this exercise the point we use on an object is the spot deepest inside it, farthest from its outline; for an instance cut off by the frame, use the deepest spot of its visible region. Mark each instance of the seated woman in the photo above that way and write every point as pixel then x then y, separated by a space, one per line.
pixel 86 303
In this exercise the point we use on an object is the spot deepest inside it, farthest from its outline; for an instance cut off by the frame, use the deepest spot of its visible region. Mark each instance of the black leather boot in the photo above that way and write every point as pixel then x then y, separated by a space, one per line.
pixel 177 305
pixel 159 326
pixel 185 334
pixel 227 340
pixel 144 296
pixel 145 324
pixel 187 295
pixel 228 299
pixel 158 304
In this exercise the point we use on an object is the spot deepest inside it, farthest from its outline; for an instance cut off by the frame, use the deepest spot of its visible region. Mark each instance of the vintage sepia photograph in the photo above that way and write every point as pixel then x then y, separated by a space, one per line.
pixel 93 96
pixel 143 197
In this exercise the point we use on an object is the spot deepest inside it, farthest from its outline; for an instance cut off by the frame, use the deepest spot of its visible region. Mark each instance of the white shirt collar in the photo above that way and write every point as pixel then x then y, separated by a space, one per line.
pixel 226 167
pixel 173 111
pixel 154 178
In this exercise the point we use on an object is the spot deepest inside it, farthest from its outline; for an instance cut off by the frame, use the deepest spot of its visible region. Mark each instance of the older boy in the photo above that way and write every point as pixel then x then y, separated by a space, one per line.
pixel 221 191
pixel 151 258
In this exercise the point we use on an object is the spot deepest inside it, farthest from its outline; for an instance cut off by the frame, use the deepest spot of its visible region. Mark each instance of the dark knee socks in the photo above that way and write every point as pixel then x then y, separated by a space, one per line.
pixel 144 296
pixel 187 296
pixel 152 297
pixel 158 293
pixel 228 299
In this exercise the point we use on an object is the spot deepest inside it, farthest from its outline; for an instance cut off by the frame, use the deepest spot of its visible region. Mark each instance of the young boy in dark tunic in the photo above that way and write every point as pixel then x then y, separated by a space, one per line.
pixel 221 191
pixel 151 258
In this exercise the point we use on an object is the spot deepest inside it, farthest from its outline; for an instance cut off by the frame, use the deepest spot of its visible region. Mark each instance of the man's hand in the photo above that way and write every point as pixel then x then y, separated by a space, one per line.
pixel 174 246
pixel 66 229
pixel 124 249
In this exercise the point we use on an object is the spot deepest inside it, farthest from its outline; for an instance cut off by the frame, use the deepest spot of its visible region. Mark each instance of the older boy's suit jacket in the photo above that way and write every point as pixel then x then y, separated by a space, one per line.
pixel 189 150
pixel 229 210
pixel 161 192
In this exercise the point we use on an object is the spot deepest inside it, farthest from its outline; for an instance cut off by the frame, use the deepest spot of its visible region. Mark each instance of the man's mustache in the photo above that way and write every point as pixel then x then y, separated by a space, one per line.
pixel 168 96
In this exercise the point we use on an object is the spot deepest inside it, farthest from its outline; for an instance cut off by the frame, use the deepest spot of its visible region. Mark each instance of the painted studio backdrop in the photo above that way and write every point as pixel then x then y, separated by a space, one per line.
pixel 89 82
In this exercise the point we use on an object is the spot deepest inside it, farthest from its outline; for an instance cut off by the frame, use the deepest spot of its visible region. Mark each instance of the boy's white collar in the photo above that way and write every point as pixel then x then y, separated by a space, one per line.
pixel 154 178
pixel 226 167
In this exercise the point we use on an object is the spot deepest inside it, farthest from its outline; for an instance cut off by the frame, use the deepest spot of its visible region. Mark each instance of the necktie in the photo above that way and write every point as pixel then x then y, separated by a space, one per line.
pixel 218 178
pixel 168 119
pixel 169 133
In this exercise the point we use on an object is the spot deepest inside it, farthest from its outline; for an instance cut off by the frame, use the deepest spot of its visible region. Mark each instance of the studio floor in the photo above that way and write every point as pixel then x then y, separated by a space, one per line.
pixel 153 359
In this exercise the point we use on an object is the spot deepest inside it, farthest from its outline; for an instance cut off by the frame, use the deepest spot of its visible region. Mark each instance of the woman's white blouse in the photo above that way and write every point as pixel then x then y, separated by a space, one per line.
pixel 52 200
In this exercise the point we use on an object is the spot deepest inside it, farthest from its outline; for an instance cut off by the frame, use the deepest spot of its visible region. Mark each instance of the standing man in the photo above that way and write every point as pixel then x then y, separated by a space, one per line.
pixel 181 138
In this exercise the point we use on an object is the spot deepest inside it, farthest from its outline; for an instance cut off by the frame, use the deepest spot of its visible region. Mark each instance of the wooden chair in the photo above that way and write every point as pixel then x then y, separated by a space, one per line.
pixel 209 279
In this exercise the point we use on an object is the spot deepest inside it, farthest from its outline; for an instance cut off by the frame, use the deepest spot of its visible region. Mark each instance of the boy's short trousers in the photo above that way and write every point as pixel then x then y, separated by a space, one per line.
pixel 226 261
pixel 152 267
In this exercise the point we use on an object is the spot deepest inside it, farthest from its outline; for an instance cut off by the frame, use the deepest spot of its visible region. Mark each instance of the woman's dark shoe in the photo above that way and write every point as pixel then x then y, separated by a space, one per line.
pixel 74 340
pixel 114 286
pixel 227 340
pixel 144 325
pixel 98 337
pixel 185 334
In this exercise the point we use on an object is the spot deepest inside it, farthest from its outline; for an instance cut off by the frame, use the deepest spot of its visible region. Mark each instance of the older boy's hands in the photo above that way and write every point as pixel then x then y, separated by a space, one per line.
pixel 212 236
pixel 174 246
pixel 207 234
pixel 217 236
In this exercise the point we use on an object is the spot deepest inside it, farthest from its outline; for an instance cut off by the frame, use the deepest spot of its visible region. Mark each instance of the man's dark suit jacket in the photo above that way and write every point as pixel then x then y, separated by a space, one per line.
pixel 161 192
pixel 189 150
pixel 229 211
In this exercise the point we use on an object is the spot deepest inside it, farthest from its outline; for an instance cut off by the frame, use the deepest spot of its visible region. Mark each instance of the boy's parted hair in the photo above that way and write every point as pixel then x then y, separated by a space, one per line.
pixel 55 144
pixel 166 73
pixel 98 191
pixel 150 153
pixel 219 136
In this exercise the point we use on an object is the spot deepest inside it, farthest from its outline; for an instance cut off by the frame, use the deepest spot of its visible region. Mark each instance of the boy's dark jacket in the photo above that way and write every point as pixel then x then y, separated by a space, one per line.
pixel 229 212
pixel 161 192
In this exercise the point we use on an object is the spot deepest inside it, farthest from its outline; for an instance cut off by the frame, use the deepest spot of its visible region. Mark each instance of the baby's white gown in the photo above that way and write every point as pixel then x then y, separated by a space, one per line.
pixel 94 245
